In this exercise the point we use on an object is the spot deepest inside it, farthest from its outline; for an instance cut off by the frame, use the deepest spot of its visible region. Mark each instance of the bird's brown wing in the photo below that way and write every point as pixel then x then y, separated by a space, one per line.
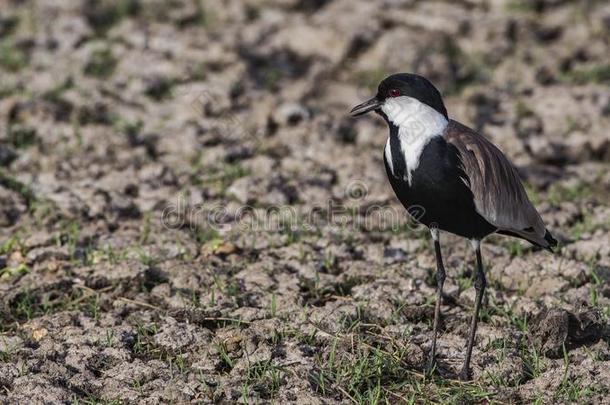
pixel 499 195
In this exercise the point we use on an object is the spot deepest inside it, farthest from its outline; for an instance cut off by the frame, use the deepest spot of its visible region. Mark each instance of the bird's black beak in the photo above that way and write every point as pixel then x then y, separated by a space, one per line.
pixel 365 107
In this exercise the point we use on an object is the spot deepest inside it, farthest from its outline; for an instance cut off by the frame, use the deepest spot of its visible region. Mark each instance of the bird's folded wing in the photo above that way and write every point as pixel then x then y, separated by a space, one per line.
pixel 499 195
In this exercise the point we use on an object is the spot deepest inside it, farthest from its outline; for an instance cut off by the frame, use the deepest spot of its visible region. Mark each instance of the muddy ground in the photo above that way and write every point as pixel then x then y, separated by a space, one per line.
pixel 188 214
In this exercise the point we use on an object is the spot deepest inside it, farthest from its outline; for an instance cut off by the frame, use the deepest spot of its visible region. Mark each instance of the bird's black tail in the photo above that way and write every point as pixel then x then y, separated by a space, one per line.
pixel 550 240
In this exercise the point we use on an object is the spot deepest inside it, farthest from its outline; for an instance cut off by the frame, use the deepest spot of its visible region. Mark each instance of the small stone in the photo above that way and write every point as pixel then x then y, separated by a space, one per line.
pixel 38 334
pixel 38 239
pixel 42 254
pixel 10 344
pixel 16 258
pixel 125 207
pixel 240 190
pixel 290 114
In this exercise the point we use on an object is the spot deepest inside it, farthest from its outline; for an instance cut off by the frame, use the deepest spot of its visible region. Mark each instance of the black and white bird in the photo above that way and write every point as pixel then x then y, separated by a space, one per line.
pixel 450 178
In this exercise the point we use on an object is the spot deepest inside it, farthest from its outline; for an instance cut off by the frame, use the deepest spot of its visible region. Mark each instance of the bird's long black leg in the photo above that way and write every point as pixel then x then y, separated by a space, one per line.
pixel 440 280
pixel 479 285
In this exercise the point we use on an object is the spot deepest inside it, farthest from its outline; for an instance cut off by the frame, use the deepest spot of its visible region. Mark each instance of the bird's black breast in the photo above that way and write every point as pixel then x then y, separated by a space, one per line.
pixel 437 195
pixel 398 160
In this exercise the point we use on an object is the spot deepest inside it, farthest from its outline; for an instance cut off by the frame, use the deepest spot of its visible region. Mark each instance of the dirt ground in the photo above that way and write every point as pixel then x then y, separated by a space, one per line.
pixel 188 213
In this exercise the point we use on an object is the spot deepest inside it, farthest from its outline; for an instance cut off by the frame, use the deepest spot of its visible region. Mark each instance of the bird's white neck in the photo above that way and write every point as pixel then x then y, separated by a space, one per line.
pixel 417 124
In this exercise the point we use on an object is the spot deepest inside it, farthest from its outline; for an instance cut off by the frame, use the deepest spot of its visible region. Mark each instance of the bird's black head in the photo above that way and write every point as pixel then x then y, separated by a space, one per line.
pixel 403 84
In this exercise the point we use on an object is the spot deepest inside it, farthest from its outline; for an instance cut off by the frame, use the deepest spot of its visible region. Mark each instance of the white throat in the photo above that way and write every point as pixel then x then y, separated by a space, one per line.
pixel 417 124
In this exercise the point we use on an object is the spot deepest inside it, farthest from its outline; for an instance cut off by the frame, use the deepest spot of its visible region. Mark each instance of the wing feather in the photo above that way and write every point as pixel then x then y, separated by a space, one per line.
pixel 498 193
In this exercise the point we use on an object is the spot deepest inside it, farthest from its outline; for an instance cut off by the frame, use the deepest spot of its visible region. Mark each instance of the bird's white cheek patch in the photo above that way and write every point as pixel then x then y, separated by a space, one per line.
pixel 401 110
pixel 413 116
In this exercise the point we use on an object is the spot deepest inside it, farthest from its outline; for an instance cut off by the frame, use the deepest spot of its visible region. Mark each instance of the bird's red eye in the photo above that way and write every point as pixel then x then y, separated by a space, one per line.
pixel 394 92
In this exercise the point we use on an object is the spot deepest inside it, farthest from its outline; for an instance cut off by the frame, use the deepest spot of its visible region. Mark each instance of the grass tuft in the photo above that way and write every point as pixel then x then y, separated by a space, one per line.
pixel 102 63
pixel 12 58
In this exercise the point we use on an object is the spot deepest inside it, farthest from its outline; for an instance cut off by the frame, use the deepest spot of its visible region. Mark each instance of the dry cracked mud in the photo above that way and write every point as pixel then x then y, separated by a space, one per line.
pixel 188 214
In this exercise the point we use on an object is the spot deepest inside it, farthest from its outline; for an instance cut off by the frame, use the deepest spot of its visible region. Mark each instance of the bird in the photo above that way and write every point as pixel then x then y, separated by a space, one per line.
pixel 451 179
